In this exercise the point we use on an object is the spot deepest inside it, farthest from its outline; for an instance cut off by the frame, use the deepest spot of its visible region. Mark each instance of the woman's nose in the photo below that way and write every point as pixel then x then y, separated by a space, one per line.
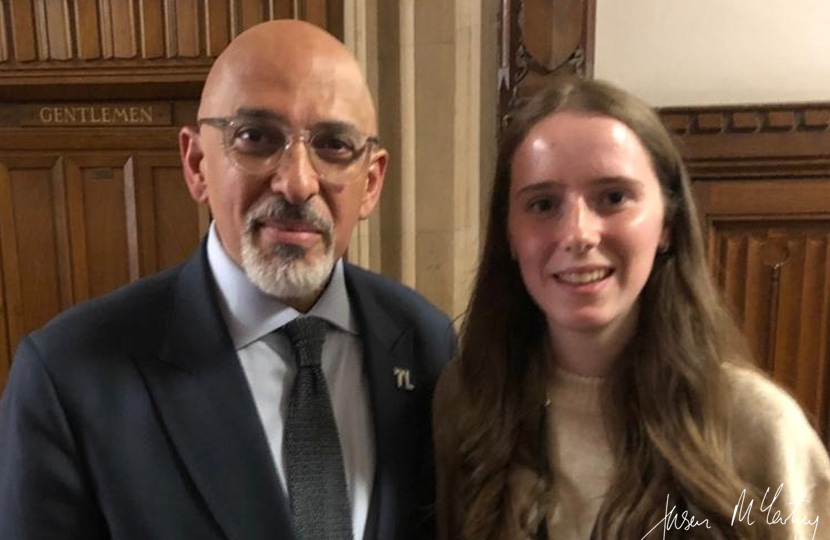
pixel 579 228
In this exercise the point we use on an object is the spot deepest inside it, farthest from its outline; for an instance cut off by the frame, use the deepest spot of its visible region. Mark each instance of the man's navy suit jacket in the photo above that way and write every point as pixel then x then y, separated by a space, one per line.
pixel 129 417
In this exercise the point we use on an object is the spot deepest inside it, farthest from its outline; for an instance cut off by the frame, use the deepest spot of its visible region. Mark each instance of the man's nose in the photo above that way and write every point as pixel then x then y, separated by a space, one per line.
pixel 295 177
pixel 579 227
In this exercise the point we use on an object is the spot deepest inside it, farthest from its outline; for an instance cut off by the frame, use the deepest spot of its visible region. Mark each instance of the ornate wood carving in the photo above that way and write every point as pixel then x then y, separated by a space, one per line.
pixel 542 40
pixel 93 41
pixel 762 180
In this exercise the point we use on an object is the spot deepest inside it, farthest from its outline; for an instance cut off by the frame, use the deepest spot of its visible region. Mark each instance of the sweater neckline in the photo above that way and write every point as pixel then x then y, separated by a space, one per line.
pixel 570 390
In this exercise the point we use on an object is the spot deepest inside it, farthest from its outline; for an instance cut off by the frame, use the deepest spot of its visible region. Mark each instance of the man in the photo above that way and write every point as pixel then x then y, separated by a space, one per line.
pixel 174 407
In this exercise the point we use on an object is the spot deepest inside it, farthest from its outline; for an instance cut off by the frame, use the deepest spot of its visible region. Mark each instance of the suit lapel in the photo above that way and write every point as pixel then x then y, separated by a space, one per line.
pixel 207 407
pixel 387 352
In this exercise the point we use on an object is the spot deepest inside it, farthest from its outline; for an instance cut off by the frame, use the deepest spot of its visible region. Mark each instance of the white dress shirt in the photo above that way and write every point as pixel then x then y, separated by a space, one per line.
pixel 251 317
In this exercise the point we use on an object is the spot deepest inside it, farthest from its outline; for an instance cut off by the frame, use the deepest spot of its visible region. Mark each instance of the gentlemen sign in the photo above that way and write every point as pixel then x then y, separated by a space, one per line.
pixel 89 114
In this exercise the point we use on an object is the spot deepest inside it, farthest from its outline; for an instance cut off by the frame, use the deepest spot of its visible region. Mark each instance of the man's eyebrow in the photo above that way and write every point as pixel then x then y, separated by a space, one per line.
pixel 255 113
pixel 259 113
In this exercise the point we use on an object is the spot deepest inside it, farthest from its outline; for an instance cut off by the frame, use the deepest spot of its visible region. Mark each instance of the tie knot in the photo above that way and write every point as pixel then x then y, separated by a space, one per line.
pixel 306 335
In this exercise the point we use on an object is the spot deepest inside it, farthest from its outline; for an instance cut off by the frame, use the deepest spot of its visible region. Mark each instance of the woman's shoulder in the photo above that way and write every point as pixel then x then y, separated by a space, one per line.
pixel 774 444
pixel 761 406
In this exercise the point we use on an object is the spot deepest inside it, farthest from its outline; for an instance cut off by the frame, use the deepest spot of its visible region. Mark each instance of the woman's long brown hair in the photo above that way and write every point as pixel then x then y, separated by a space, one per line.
pixel 666 399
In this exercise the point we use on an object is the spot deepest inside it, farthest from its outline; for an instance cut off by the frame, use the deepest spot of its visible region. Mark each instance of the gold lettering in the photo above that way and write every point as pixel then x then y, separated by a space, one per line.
pixel 45 114
pixel 94 118
pixel 120 115
pixel 147 115
pixel 133 115
pixel 105 114
pixel 59 118
pixel 83 114
pixel 70 114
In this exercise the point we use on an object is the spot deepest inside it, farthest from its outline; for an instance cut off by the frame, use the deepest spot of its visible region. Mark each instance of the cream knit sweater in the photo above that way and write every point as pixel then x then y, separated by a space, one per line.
pixel 772 444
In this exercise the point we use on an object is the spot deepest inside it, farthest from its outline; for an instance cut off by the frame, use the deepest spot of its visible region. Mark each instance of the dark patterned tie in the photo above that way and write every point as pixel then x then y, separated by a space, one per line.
pixel 313 461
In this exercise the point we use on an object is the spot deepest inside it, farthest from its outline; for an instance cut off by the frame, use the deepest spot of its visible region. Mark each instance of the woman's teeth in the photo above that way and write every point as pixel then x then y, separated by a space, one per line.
pixel 582 278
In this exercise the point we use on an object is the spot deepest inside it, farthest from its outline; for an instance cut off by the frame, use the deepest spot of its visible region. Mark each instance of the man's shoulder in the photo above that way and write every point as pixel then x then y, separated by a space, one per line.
pixel 128 310
pixel 394 297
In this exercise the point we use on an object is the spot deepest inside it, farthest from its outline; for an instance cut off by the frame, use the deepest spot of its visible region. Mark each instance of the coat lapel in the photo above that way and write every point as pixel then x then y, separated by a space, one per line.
pixel 388 358
pixel 207 407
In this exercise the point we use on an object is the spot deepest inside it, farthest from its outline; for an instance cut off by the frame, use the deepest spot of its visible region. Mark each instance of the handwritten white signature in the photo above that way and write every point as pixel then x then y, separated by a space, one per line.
pixel 685 521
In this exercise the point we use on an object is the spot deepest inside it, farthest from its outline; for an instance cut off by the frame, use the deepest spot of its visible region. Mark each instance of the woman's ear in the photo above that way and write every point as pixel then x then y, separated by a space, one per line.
pixel 665 240
pixel 191 154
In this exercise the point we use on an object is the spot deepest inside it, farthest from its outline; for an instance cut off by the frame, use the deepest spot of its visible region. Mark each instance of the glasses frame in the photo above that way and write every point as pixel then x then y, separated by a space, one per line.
pixel 227 125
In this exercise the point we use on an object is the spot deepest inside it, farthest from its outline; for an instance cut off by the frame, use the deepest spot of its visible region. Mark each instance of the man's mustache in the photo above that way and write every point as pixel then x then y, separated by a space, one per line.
pixel 278 209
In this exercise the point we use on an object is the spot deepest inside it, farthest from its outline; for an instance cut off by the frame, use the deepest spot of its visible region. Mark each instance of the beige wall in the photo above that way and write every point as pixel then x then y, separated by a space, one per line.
pixel 432 67
pixel 701 52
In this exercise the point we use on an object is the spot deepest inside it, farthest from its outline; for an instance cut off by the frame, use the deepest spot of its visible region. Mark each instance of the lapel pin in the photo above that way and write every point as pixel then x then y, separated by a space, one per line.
pixel 402 379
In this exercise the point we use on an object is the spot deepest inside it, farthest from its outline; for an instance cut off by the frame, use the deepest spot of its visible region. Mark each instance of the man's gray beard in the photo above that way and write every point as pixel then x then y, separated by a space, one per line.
pixel 282 272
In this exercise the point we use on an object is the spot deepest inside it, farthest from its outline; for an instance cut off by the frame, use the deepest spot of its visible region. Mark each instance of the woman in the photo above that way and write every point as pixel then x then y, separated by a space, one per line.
pixel 600 389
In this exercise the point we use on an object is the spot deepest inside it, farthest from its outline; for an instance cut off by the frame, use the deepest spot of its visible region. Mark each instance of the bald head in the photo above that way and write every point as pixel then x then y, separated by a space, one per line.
pixel 296 59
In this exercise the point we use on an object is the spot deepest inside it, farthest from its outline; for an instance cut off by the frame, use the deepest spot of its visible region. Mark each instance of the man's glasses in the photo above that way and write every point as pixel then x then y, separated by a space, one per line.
pixel 337 151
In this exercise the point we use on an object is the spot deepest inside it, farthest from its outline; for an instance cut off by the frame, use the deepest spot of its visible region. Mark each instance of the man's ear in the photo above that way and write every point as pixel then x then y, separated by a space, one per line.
pixel 374 183
pixel 190 151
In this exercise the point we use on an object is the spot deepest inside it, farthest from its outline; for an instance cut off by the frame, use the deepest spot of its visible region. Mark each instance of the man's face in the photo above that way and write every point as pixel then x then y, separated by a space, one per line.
pixel 286 225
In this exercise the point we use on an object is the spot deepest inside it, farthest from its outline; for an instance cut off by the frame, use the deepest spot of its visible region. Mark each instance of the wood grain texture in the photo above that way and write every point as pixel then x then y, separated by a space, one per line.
pixel 58 30
pixel 151 26
pixel 29 250
pixel 217 26
pixel 250 12
pixel 770 247
pixel 123 27
pixel 187 29
pixel 87 30
pixel 281 9
pixel 542 41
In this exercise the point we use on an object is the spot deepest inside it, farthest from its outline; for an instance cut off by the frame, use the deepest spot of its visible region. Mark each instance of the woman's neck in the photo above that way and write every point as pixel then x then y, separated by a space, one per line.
pixel 592 353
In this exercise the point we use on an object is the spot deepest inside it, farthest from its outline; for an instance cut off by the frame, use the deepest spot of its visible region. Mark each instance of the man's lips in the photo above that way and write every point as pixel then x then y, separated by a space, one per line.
pixel 300 233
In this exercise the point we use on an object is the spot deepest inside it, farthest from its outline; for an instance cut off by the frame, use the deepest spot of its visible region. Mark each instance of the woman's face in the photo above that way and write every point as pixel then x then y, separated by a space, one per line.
pixel 585 220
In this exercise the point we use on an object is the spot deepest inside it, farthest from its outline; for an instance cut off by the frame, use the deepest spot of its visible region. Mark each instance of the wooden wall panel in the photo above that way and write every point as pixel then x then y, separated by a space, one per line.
pixel 56 13
pixel 23 30
pixel 187 29
pixel 151 20
pixel 176 218
pixel 124 41
pixel 169 224
pixel 762 182
pixel 776 276
pixel 217 28
pixel 248 13
pixel 281 9
pixel 4 37
pixel 87 30
pixel 98 217
pixel 31 262
pixel 123 28
pixel 542 41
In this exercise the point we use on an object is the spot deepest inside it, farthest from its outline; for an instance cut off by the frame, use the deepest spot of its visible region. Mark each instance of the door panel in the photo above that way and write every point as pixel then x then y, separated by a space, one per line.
pixel 770 254
pixel 76 225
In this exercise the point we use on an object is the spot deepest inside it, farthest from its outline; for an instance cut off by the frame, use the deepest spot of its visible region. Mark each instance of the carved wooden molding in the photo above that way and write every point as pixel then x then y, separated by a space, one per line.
pixel 540 41
pixel 748 119
pixel 753 141
pixel 125 41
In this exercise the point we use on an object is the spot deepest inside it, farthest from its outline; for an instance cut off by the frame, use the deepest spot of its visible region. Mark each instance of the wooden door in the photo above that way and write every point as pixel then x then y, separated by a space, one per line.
pixel 762 181
pixel 92 93
pixel 769 249
pixel 76 224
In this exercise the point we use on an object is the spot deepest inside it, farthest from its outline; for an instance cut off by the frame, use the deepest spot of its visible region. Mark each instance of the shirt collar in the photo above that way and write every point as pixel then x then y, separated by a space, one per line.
pixel 250 313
